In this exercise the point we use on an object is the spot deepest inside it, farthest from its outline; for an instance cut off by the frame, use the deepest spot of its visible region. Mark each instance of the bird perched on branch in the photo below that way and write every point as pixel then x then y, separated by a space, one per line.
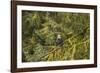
pixel 59 40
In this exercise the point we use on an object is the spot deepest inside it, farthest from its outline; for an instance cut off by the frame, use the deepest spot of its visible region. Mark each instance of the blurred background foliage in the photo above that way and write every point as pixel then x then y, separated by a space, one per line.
pixel 39 34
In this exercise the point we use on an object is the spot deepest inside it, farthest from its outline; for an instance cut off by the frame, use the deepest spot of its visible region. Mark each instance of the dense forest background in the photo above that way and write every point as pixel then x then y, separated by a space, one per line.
pixel 39 35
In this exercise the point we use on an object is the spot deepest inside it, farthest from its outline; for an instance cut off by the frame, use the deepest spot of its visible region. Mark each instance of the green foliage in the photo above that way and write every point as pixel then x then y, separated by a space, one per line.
pixel 39 34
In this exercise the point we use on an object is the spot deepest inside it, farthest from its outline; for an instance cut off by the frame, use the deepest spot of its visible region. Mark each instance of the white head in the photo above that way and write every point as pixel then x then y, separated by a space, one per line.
pixel 58 36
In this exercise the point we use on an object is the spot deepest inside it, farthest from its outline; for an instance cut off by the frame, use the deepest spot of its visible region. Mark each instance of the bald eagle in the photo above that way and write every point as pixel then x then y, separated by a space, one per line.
pixel 59 40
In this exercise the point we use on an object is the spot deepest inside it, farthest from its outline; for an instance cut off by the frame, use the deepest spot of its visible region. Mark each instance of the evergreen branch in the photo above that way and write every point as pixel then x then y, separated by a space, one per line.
pixel 52 51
